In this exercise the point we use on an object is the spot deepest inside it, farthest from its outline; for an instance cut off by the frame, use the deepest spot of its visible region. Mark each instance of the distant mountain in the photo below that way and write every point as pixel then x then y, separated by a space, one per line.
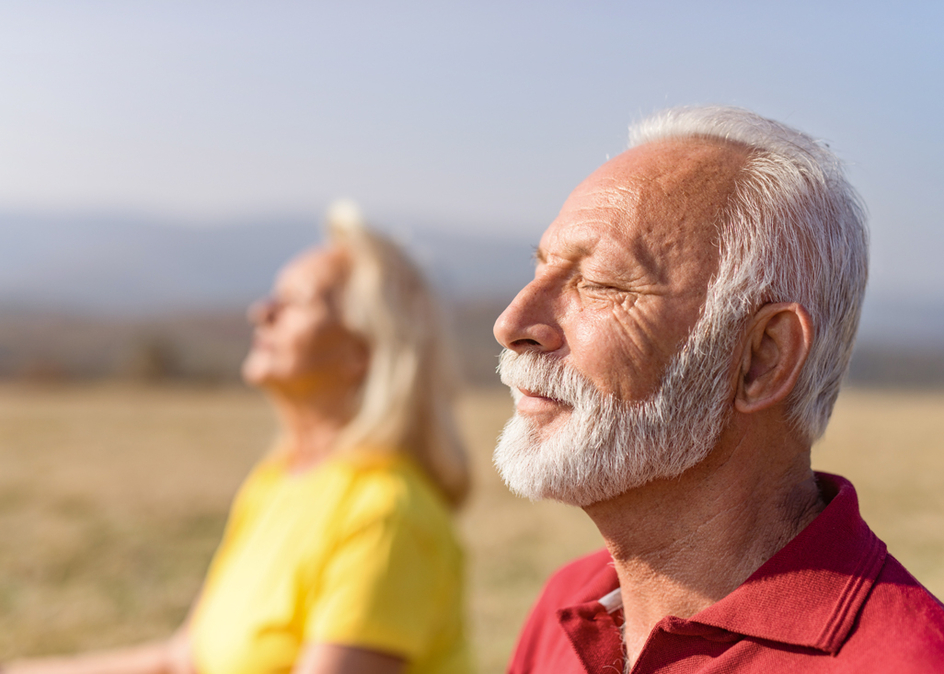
pixel 890 321
pixel 133 266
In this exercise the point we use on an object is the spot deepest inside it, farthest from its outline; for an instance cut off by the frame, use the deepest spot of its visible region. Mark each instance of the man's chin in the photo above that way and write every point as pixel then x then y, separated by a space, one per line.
pixel 559 463
pixel 530 462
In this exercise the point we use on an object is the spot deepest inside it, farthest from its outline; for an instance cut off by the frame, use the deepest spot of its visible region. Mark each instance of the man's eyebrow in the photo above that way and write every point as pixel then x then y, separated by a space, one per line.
pixel 569 251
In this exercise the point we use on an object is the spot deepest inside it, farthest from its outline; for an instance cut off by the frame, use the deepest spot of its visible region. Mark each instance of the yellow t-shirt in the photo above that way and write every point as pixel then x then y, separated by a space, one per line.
pixel 359 551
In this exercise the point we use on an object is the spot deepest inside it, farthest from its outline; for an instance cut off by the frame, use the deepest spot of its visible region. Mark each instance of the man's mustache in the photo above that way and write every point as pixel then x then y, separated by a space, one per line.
pixel 542 375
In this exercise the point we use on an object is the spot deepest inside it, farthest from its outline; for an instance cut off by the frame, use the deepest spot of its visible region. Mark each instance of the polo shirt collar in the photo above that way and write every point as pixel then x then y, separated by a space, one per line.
pixel 807 595
pixel 810 592
pixel 591 621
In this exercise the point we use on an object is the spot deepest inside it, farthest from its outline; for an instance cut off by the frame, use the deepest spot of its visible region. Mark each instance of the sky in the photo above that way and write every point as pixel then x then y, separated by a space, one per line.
pixel 471 116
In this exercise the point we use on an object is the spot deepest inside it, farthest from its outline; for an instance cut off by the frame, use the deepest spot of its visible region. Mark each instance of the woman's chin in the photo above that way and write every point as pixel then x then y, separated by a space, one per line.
pixel 254 373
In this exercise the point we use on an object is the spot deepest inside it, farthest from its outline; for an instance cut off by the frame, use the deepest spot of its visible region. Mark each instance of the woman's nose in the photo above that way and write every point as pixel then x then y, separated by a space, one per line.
pixel 261 311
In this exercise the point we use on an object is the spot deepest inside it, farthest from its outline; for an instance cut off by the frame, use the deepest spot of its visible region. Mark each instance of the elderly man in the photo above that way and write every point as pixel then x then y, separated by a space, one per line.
pixel 681 346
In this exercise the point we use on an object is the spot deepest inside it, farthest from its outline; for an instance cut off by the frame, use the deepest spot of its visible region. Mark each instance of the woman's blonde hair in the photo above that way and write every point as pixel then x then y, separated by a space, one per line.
pixel 407 396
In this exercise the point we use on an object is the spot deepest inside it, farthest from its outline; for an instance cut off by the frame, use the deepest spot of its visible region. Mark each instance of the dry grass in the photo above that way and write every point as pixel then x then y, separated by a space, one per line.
pixel 112 500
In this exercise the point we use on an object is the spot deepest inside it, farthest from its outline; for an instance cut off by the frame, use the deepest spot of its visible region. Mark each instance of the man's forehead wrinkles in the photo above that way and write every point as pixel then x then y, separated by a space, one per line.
pixel 602 205
pixel 622 184
pixel 614 193
pixel 598 211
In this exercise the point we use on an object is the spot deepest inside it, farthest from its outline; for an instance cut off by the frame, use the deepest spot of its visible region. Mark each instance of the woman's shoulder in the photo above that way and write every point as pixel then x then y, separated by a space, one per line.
pixel 387 484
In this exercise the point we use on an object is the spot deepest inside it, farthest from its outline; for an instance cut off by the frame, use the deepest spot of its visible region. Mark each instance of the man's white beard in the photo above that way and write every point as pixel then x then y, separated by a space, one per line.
pixel 608 446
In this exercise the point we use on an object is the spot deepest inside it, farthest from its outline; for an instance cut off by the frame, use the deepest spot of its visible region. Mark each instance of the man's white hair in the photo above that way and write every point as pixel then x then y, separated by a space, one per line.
pixel 794 231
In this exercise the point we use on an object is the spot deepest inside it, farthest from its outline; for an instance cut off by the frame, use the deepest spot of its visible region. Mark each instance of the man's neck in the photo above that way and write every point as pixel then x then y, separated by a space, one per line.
pixel 681 545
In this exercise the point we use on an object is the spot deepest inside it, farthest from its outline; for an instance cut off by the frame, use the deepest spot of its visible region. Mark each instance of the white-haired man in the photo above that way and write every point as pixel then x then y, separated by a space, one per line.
pixel 681 346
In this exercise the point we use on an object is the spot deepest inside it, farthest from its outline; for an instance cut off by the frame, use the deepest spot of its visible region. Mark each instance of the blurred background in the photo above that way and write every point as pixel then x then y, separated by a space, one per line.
pixel 160 160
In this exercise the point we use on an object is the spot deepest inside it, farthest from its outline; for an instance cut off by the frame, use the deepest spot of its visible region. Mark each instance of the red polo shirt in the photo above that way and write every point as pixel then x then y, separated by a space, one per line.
pixel 833 600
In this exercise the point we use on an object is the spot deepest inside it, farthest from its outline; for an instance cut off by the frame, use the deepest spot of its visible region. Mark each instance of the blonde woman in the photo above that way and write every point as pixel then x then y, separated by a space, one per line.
pixel 339 555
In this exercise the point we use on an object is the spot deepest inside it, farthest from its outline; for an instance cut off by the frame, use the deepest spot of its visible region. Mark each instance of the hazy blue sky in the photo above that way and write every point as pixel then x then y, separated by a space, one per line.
pixel 477 115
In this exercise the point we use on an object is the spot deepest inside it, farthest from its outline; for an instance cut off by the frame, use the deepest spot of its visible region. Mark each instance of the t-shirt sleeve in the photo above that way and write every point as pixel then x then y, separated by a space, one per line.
pixel 383 584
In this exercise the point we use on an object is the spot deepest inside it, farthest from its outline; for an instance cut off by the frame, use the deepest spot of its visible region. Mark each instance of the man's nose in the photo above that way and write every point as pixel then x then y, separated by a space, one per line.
pixel 529 323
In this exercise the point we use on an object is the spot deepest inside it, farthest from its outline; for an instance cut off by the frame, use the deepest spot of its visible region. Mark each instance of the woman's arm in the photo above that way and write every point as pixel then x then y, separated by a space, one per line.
pixel 165 657
pixel 334 659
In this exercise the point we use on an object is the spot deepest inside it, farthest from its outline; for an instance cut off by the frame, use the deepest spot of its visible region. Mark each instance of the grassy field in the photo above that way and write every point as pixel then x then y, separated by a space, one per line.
pixel 112 500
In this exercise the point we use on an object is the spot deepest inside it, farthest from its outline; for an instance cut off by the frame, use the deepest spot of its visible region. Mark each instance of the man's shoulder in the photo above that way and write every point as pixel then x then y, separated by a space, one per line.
pixel 899 628
pixel 900 602
pixel 897 581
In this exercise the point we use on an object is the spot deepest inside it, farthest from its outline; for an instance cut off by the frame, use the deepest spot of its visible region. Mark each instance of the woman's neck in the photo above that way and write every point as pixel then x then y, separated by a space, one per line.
pixel 312 427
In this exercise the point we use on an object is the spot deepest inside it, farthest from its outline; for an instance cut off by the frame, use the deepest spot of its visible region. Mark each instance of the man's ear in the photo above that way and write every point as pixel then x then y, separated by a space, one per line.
pixel 777 345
